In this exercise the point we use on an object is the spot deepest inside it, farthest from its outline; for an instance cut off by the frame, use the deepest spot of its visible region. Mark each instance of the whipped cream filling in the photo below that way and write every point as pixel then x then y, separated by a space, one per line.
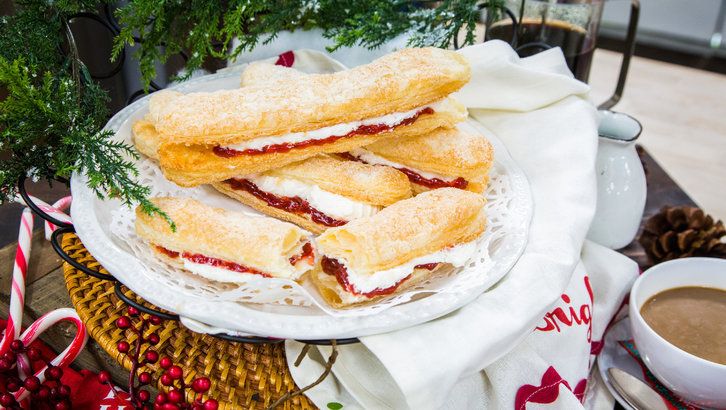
pixel 373 159
pixel 219 274
pixel 390 120
pixel 334 205
pixel 364 283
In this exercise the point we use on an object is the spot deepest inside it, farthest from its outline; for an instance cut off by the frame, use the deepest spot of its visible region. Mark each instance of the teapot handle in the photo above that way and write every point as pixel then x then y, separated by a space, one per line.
pixel 627 54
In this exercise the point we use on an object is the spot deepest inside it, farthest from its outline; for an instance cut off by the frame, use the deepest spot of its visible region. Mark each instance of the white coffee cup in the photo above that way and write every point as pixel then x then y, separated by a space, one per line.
pixel 696 380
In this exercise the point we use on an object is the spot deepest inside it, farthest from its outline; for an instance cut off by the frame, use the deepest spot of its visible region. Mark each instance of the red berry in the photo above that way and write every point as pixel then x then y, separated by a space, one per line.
pixel 123 346
pixel 33 353
pixel 165 362
pixel 176 372
pixel 160 398
pixel 13 386
pixel 123 322
pixel 17 346
pixel 155 320
pixel 166 380
pixel 64 391
pixel 53 373
pixel 32 383
pixel 201 384
pixel 153 339
pixel 63 405
pixel 152 356
pixel 145 378
pixel 197 406
pixel 5 365
pixel 104 377
pixel 170 406
pixel 175 396
pixel 144 395
pixel 10 356
pixel 54 393
pixel 43 393
pixel 211 404
pixel 132 311
pixel 7 399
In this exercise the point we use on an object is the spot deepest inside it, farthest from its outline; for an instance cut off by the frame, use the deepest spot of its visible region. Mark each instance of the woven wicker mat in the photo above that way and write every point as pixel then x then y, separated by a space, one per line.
pixel 244 376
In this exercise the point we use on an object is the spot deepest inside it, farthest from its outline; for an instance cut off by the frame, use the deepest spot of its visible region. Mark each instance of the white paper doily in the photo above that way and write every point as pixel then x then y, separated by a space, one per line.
pixel 106 229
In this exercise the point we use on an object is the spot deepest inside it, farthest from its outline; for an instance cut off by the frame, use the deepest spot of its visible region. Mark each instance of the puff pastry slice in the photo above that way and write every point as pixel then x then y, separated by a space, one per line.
pixel 198 164
pixel 319 192
pixel 410 240
pixel 402 81
pixel 223 245
pixel 458 157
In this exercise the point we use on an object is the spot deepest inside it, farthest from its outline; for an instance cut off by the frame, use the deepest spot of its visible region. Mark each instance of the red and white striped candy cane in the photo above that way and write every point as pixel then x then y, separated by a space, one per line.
pixel 20 270
pixel 67 356
pixel 59 205
pixel 48 209
pixel 17 299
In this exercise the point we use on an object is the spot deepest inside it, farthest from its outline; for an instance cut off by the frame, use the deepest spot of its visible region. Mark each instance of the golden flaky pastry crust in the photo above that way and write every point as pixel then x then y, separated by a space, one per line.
pixel 146 139
pixel 337 297
pixel 453 152
pixel 198 164
pixel 415 227
pixel 258 242
pixel 158 103
pixel 369 184
pixel 398 82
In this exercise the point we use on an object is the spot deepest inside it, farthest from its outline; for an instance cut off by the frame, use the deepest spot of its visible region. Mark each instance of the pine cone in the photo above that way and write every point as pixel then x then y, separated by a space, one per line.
pixel 680 232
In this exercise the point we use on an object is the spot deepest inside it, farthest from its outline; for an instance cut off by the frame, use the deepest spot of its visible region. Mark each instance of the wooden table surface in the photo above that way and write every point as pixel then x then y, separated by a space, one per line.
pixel 683 113
pixel 45 284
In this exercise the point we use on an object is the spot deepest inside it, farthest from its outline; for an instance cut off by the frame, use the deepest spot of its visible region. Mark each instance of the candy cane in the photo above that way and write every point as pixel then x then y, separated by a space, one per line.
pixel 20 270
pixel 17 299
pixel 59 205
pixel 48 209
pixel 67 356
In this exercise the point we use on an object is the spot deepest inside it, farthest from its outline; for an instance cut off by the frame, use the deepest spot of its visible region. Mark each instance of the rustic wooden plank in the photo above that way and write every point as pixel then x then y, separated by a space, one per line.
pixel 43 260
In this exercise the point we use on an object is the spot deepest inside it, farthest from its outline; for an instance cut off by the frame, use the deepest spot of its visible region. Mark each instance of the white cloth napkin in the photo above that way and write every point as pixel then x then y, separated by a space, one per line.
pixel 486 354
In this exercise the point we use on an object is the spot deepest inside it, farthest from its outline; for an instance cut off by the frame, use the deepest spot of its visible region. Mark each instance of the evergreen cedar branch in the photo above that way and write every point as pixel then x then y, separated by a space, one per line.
pixel 52 112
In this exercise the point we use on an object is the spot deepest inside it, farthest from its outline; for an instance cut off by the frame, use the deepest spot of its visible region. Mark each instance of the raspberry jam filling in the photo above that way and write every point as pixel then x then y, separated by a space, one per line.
pixel 288 146
pixel 167 252
pixel 307 255
pixel 427 266
pixel 333 267
pixel 419 179
pixel 292 204
pixel 207 260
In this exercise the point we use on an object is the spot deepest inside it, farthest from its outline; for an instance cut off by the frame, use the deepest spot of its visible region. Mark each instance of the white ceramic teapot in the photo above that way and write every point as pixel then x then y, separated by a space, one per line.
pixel 621 188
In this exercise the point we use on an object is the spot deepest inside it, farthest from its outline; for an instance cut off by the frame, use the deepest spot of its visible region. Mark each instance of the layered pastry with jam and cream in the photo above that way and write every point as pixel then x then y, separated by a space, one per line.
pixel 320 192
pixel 456 157
pixel 226 246
pixel 399 247
pixel 213 136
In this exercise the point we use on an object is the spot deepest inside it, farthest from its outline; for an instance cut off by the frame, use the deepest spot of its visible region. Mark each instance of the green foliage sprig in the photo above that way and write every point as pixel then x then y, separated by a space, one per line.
pixel 52 113
pixel 207 29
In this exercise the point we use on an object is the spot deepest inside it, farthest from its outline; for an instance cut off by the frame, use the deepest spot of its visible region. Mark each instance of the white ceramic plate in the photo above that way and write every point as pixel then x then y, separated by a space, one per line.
pixel 93 217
